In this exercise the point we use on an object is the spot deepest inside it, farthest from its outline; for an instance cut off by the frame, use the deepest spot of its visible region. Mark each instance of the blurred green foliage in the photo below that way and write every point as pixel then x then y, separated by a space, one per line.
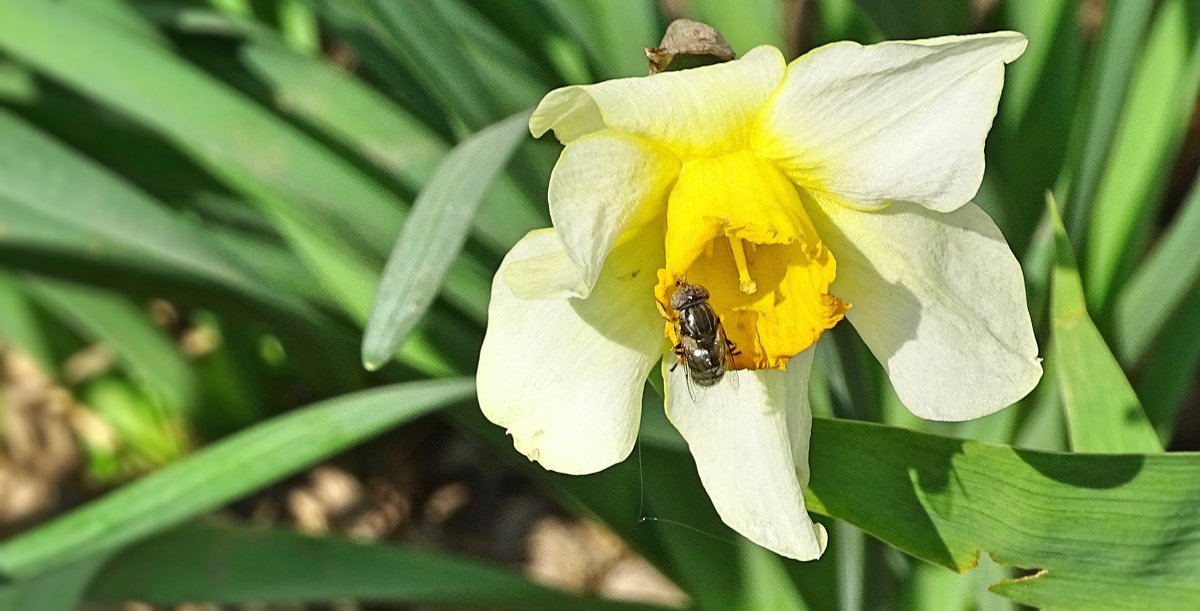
pixel 248 165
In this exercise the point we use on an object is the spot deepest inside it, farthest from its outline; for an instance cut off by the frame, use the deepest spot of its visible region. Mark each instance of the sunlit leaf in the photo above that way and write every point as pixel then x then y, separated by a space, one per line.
pixel 1103 413
pixel 1095 123
pixel 433 234
pixel 1154 122
pixel 1087 522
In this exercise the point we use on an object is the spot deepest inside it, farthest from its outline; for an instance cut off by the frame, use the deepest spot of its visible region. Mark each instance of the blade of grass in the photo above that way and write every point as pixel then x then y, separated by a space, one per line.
pixel 227 564
pixel 765 582
pixel 348 277
pixel 433 235
pixel 223 472
pixel 1103 414
pixel 1154 122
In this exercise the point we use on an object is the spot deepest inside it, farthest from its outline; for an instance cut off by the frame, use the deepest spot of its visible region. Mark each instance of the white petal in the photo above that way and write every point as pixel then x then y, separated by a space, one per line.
pixel 700 111
pixel 751 449
pixel 892 121
pixel 565 376
pixel 939 299
pixel 604 185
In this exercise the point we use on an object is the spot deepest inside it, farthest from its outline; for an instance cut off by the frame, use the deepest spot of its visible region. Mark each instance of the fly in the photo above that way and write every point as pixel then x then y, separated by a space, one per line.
pixel 703 349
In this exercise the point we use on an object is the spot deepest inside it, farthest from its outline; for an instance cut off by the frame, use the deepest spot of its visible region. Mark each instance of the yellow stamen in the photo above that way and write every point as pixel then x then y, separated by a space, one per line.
pixel 745 283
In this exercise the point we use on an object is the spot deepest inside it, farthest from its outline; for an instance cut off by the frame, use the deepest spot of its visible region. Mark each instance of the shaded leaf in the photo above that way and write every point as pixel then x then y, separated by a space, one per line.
pixel 221 473
pixel 228 564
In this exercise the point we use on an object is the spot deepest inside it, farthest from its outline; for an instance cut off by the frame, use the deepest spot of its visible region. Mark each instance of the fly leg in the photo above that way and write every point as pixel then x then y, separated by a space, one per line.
pixel 678 350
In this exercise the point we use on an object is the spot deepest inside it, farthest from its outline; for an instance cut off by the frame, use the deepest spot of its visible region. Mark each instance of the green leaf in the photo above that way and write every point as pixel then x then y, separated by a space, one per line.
pixel 918 18
pixel 842 20
pixel 19 326
pixel 765 581
pixel 1161 285
pixel 229 565
pixel 64 213
pixel 1169 375
pixel 60 589
pixel 1103 413
pixel 612 33
pixel 348 276
pixel 431 48
pixel 1028 145
pixel 223 472
pixel 434 234
pixel 149 356
pixel 298 26
pixel 1100 107
pixel 1104 531
pixel 366 122
pixel 1154 122
pixel 229 134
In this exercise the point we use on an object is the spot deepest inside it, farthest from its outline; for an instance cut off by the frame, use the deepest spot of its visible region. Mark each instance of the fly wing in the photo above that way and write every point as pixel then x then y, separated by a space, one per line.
pixel 688 347
pixel 695 391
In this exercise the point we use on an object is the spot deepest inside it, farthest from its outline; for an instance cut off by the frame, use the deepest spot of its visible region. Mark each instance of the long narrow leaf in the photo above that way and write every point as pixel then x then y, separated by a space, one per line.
pixel 226 132
pixel 431 48
pixel 222 473
pixel 231 565
pixel 433 235
pixel 1159 287
pixel 362 119
pixel 60 206
pixel 1154 121
pixel 1103 413
pixel 1092 133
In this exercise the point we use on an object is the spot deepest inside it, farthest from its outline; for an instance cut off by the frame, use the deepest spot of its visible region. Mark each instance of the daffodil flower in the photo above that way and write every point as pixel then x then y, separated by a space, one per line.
pixel 798 194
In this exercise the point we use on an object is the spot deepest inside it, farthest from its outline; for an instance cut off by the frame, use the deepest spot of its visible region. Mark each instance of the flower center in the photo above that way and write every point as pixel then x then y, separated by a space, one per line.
pixel 736 226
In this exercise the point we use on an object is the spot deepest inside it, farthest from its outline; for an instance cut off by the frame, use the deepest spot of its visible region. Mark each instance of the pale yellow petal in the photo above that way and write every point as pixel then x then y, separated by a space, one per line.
pixel 565 376
pixel 750 443
pixel 902 120
pixel 605 185
pixel 939 299
pixel 700 111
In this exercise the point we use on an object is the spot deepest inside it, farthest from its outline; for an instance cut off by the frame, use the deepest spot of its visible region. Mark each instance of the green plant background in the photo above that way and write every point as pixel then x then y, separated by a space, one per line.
pixel 326 182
